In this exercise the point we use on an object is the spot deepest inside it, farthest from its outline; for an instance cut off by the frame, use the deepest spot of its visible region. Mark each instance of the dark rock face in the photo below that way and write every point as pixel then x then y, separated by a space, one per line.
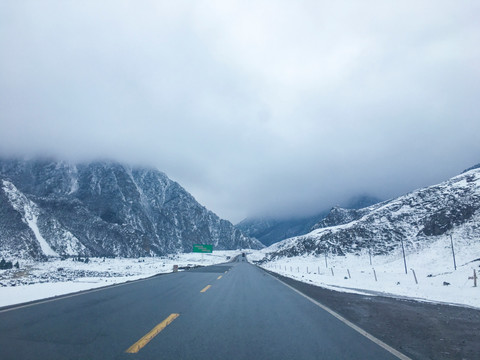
pixel 103 209
pixel 416 219
pixel 444 220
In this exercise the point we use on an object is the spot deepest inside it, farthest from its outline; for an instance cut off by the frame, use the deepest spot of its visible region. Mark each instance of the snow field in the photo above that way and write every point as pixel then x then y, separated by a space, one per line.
pixel 40 280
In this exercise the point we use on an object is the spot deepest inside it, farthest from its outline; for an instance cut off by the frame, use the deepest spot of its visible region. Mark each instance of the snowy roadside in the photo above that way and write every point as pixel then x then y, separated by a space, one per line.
pixel 41 280
pixel 434 271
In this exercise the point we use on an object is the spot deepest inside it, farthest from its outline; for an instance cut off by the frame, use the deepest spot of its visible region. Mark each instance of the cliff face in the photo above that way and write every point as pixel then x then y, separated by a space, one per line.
pixel 417 218
pixel 102 209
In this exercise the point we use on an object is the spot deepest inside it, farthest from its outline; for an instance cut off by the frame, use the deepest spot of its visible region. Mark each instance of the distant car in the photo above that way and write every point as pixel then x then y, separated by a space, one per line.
pixel 243 254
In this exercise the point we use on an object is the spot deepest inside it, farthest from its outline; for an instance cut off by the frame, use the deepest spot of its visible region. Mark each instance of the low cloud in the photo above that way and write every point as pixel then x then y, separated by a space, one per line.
pixel 278 108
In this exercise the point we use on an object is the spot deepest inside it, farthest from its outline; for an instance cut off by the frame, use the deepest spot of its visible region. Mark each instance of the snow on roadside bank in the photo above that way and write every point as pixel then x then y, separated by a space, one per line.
pixel 433 267
pixel 40 280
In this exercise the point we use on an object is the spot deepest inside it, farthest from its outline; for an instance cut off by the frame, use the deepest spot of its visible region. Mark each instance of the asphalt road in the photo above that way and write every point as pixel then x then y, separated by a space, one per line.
pixel 244 314
pixel 420 330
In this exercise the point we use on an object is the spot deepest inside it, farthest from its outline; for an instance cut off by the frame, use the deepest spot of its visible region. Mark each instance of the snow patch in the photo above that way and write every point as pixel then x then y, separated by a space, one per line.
pixel 31 219
pixel 30 214
pixel 73 180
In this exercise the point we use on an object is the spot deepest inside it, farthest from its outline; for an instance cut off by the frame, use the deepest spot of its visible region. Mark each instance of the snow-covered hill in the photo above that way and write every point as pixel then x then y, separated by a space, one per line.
pixel 418 219
pixel 50 208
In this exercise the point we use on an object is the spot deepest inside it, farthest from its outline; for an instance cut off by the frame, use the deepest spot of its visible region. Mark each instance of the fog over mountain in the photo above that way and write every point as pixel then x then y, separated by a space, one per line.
pixel 264 109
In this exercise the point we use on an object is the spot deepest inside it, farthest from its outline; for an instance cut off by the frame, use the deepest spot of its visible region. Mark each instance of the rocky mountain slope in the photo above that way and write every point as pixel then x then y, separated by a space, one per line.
pixel 417 219
pixel 50 208
pixel 272 230
pixel 339 216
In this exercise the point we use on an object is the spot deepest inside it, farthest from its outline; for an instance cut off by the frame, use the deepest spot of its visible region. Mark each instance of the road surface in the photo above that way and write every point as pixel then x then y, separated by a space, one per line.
pixel 228 311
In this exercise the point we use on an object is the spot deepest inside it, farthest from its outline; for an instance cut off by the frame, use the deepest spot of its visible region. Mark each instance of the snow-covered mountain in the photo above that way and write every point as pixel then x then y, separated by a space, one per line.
pixel 270 230
pixel 52 208
pixel 418 219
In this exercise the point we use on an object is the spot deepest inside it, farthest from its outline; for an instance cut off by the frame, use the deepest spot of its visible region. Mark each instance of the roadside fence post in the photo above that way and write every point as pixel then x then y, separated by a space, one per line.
pixel 332 272
pixel 474 277
pixel 348 271
pixel 375 274
pixel 415 276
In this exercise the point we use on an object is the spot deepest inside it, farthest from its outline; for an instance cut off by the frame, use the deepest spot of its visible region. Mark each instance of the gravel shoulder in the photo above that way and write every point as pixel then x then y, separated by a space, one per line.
pixel 419 330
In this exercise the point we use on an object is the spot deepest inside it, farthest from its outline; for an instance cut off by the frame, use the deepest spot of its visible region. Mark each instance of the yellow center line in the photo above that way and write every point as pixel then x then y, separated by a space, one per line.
pixel 154 332
pixel 219 277
pixel 206 288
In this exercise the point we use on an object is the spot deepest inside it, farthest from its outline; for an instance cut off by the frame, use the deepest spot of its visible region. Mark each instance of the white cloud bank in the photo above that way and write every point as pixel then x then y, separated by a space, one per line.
pixel 258 107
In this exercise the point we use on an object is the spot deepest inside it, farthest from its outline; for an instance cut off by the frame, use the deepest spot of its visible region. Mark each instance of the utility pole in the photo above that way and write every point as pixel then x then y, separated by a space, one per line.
pixel 404 261
pixel 453 252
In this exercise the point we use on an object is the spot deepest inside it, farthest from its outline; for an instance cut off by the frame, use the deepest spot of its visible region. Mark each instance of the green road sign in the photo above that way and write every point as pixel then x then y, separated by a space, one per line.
pixel 202 248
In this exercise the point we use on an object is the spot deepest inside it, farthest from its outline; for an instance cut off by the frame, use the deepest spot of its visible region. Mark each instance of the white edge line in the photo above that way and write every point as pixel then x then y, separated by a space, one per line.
pixel 358 329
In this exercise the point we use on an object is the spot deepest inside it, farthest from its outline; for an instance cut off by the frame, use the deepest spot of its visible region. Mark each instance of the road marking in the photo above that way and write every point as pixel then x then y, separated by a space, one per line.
pixel 219 277
pixel 358 329
pixel 151 334
pixel 206 288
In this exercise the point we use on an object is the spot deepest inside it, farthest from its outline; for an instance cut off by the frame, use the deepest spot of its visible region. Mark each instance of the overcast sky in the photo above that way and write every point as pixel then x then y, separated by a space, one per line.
pixel 255 107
